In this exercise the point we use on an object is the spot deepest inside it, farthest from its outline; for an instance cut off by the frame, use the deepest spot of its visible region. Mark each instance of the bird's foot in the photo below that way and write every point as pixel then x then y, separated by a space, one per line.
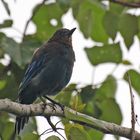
pixel 54 102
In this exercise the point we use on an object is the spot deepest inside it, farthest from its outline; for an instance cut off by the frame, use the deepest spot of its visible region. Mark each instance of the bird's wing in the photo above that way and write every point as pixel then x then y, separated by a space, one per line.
pixel 38 62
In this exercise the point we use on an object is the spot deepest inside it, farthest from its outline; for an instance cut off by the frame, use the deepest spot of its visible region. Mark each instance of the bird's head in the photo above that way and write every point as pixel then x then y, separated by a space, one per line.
pixel 63 35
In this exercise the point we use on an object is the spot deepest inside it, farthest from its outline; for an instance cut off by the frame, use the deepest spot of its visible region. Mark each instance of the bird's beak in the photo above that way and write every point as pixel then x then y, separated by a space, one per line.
pixel 71 31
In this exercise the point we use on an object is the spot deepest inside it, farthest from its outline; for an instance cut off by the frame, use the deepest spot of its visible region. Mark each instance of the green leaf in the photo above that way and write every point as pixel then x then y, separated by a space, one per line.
pixel 128 27
pixel 18 72
pixel 92 109
pixel 110 111
pixel 110 22
pixel 64 97
pixel 116 8
pixel 12 48
pixel 2 84
pixel 87 93
pixel 43 18
pixel 135 79
pixel 28 47
pixel 2 35
pixel 107 89
pixel 76 103
pixel 30 136
pixel 6 127
pixel 95 135
pixel 1 53
pixel 6 23
pixel 21 54
pixel 7 133
pixel 2 71
pixel 104 54
pixel 139 26
pixel 30 131
pixel 64 4
pixel 30 127
pixel 53 138
pixel 76 132
pixel 126 62
pixel 10 89
pixel 90 22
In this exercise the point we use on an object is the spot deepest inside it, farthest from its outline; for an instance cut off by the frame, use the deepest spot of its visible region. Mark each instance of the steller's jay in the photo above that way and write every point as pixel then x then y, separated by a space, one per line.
pixel 49 71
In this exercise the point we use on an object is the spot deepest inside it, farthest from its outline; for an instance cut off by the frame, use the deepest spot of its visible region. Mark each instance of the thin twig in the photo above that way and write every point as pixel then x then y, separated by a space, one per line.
pixel 133 116
pixel 46 131
pixel 57 123
pixel 50 130
pixel 127 4
pixel 60 135
pixel 30 19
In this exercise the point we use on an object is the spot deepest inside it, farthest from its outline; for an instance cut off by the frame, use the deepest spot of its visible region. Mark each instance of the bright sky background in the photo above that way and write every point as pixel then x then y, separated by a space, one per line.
pixel 83 71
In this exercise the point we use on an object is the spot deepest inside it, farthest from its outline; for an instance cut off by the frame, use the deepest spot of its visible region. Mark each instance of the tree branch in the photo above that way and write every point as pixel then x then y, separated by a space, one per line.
pixel 128 4
pixel 50 110
pixel 133 116
pixel 30 110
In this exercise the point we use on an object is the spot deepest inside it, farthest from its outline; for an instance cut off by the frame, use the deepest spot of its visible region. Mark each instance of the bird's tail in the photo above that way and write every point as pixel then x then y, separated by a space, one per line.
pixel 20 122
pixel 23 98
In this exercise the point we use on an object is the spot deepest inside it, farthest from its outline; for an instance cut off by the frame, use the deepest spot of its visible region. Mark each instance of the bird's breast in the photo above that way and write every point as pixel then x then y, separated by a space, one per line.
pixel 67 54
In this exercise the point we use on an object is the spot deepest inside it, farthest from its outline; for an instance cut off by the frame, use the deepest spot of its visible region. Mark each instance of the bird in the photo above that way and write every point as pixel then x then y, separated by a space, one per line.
pixel 48 73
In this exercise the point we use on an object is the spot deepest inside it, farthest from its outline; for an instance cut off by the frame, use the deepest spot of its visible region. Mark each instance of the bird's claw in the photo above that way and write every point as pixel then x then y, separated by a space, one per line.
pixel 54 103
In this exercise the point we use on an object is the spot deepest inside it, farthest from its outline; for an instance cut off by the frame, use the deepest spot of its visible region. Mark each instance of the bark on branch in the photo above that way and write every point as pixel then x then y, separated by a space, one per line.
pixel 50 110
pixel 127 4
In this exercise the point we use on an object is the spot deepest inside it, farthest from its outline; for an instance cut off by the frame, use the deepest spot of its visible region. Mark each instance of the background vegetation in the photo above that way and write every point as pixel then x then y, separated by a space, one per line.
pixel 102 21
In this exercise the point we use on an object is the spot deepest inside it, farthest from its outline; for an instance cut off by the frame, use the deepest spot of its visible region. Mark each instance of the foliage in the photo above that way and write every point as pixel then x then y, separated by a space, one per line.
pixel 98 21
